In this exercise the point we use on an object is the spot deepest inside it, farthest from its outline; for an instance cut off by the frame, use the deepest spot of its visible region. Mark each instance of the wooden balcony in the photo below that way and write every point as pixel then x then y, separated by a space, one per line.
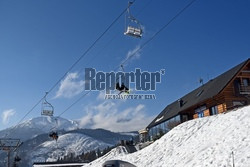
pixel 245 90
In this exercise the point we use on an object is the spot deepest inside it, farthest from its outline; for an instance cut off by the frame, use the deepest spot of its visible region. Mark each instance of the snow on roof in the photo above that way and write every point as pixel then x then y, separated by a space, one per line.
pixel 207 141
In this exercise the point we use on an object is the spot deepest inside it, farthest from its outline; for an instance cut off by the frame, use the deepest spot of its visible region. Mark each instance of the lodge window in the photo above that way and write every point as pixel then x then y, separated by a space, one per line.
pixel 214 110
pixel 184 118
pixel 237 87
pixel 200 111
pixel 241 86
pixel 163 127
pixel 239 103
pixel 245 81
pixel 200 114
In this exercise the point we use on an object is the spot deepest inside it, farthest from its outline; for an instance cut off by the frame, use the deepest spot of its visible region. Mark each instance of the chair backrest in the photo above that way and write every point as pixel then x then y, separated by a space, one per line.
pixel 132 31
pixel 47 112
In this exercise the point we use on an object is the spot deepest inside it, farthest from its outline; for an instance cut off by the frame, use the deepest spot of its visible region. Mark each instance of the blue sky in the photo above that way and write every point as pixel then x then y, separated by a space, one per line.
pixel 40 40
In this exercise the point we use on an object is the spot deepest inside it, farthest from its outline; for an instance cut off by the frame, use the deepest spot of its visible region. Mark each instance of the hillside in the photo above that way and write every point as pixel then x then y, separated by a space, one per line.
pixel 38 147
pixel 205 142
pixel 36 126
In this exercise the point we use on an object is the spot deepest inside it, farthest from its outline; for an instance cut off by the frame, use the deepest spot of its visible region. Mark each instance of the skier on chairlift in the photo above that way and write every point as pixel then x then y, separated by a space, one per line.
pixel 122 88
pixel 53 135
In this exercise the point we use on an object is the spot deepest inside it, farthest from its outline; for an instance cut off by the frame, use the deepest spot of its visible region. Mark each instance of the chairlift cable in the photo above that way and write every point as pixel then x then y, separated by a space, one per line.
pixel 11 130
pixel 72 66
pixel 139 12
pixel 122 67
pixel 100 51
pixel 144 44
pixel 47 108
pixel 90 47
pixel 117 18
pixel 130 29
pixel 85 94
pixel 178 14
pixel 159 31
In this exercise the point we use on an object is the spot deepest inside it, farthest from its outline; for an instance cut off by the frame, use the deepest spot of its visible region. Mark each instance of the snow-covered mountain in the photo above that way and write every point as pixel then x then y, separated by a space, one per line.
pixel 206 142
pixel 36 126
pixel 38 147
pixel 51 150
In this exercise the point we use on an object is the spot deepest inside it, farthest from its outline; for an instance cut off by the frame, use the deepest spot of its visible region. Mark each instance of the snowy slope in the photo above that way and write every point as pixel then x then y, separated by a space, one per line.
pixel 113 154
pixel 205 142
pixel 41 148
pixel 67 143
pixel 37 146
pixel 39 125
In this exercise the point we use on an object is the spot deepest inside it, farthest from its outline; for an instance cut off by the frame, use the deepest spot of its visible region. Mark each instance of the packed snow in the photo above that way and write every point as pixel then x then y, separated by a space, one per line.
pixel 214 141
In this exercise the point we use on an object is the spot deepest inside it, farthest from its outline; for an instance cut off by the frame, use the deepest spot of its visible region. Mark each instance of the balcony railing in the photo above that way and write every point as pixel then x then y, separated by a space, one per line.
pixel 245 90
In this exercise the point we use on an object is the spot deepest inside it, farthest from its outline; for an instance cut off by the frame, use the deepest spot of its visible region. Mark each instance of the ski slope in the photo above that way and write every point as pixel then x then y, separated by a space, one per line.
pixel 204 142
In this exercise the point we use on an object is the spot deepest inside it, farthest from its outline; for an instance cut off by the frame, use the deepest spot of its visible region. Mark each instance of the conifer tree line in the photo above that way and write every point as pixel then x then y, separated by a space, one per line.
pixel 85 157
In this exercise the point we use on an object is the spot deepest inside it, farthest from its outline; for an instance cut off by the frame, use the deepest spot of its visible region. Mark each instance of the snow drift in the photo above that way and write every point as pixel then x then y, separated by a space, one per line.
pixel 213 141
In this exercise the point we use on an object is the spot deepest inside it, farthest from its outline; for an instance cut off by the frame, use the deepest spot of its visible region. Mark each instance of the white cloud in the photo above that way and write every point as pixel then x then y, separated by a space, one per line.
pixel 101 95
pixel 132 55
pixel 86 121
pixel 143 30
pixel 6 114
pixel 107 116
pixel 70 86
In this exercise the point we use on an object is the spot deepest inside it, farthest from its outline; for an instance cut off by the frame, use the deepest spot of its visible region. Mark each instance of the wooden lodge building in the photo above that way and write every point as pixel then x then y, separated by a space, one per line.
pixel 225 92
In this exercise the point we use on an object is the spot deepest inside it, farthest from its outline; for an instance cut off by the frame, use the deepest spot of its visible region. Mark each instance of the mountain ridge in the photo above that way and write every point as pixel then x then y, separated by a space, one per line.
pixel 39 147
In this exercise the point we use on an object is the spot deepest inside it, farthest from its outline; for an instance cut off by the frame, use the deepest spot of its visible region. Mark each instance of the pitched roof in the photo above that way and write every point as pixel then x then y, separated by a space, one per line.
pixel 204 92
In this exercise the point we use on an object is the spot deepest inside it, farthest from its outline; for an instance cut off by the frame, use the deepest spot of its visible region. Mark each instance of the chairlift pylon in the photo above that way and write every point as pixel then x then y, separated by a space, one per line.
pixel 132 25
pixel 47 108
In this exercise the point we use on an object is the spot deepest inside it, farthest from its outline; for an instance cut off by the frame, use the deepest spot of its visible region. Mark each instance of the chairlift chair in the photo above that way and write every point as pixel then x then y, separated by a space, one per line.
pixel 17 158
pixel 53 135
pixel 133 31
pixel 133 28
pixel 47 108
pixel 53 131
pixel 122 88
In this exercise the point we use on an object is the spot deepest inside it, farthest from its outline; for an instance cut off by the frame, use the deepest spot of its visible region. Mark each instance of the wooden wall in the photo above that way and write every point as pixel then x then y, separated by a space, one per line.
pixel 222 108
pixel 206 113
pixel 195 116
pixel 224 100
pixel 229 92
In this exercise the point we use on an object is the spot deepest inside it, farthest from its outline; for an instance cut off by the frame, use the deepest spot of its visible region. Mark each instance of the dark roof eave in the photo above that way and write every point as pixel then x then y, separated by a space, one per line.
pixel 219 83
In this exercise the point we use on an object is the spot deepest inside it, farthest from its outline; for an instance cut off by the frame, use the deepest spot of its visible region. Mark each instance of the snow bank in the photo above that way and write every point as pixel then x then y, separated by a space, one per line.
pixel 116 152
pixel 205 142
